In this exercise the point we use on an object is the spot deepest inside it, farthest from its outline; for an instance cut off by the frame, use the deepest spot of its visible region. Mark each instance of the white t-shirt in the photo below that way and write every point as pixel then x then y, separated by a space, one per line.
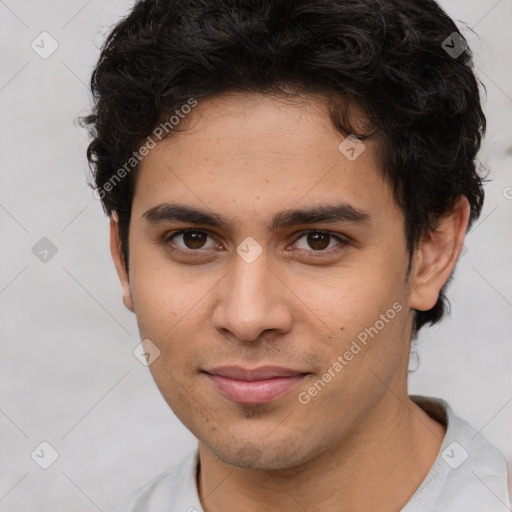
pixel 468 475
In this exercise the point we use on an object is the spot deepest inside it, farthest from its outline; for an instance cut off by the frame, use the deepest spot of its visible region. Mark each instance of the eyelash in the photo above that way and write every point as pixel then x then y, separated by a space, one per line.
pixel 198 252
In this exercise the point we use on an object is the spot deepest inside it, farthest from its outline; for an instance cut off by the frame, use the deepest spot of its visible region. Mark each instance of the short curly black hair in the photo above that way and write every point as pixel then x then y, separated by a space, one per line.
pixel 403 62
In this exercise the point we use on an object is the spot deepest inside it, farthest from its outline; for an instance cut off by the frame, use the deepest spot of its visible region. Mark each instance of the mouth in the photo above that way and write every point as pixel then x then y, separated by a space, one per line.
pixel 257 386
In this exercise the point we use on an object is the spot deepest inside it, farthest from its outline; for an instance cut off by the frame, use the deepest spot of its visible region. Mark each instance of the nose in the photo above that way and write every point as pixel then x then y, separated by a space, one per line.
pixel 253 298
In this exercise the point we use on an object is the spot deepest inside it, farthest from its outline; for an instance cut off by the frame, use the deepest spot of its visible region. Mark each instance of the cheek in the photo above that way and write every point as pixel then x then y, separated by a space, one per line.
pixel 364 313
pixel 157 308
pixel 159 293
pixel 351 299
pixel 168 309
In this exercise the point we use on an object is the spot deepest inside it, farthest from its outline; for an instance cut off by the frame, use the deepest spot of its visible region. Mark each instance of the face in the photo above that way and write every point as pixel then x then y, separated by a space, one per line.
pixel 278 331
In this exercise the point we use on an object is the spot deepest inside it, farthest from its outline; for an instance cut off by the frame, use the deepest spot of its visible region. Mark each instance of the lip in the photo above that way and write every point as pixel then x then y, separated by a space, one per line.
pixel 256 386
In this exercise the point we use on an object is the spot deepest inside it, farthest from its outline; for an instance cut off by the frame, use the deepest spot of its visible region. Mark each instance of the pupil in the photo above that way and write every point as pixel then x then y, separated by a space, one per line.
pixel 193 239
pixel 315 240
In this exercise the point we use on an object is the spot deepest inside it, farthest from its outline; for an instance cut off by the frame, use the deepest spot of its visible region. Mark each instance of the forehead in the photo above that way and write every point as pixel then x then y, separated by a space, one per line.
pixel 252 154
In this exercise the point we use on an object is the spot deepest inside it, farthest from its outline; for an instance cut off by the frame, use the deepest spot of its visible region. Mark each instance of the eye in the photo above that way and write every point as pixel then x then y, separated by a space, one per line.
pixel 192 239
pixel 319 241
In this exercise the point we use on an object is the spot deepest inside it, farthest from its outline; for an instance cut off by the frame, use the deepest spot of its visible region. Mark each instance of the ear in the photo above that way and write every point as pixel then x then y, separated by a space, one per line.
pixel 437 255
pixel 115 249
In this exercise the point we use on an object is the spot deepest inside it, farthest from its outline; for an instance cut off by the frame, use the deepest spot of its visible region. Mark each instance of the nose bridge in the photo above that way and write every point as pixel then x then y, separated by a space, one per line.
pixel 252 299
pixel 250 279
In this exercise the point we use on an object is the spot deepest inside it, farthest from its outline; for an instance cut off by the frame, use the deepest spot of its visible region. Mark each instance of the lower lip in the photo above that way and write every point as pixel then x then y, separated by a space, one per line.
pixel 256 391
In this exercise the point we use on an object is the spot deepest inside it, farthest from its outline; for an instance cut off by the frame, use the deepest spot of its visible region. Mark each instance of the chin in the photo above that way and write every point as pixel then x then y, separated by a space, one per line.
pixel 250 455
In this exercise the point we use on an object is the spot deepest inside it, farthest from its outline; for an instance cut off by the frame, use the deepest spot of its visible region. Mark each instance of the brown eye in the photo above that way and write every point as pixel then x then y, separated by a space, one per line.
pixel 191 239
pixel 319 241
pixel 194 239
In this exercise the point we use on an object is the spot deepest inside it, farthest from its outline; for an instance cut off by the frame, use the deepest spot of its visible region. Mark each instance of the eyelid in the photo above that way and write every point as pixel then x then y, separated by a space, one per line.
pixel 339 236
pixel 167 239
pixel 343 240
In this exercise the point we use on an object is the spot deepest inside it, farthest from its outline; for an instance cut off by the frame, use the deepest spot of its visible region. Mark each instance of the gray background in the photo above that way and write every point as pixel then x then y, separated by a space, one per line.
pixel 68 375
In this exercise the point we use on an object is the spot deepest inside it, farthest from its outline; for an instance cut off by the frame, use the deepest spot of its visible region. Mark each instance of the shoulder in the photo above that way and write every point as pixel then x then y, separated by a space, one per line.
pixel 469 473
pixel 173 490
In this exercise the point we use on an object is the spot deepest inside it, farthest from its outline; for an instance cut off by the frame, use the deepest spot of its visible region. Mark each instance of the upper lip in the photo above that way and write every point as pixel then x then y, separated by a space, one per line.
pixel 261 373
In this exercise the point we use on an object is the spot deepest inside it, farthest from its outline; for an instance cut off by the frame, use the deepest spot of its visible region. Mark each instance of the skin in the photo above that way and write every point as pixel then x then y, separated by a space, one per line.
pixel 360 443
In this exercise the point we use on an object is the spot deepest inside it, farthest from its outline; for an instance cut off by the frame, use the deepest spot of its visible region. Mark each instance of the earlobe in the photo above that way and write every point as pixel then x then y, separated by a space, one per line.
pixel 437 255
pixel 115 249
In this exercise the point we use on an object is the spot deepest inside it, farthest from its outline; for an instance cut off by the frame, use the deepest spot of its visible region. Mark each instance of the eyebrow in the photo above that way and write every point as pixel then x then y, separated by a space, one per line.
pixel 168 212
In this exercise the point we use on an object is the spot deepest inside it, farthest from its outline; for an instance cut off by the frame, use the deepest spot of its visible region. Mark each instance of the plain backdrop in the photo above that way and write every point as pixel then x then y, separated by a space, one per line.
pixel 67 371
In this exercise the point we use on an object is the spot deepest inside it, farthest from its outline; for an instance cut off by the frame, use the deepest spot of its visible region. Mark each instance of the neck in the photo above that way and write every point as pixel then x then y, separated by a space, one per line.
pixel 383 461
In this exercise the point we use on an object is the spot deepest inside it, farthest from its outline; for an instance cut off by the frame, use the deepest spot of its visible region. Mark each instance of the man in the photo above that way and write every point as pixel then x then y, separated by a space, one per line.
pixel 289 185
